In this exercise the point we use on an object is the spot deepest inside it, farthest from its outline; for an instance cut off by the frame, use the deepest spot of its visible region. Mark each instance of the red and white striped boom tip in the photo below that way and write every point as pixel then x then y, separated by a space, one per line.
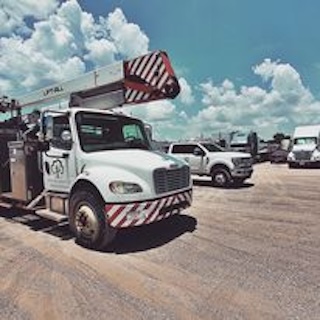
pixel 150 77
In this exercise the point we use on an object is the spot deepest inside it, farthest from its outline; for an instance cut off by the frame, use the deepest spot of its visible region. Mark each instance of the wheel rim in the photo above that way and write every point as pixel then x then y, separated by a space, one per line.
pixel 86 223
pixel 220 179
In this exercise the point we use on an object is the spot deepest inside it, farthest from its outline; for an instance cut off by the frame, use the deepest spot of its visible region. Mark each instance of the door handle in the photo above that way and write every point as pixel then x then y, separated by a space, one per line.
pixel 64 155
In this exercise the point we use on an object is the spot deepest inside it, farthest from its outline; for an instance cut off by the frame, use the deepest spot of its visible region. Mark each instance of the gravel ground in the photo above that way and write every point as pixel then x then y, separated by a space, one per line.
pixel 251 252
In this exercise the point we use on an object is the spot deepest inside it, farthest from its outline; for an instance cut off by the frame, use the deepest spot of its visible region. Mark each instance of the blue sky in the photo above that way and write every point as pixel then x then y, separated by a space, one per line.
pixel 242 65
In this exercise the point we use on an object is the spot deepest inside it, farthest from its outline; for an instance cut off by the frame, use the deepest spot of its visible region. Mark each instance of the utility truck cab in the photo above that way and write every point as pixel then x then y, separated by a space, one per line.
pixel 305 149
pixel 96 167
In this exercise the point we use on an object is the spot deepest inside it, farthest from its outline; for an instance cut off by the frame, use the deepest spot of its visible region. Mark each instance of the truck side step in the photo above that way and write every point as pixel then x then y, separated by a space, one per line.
pixel 51 215
pixel 36 200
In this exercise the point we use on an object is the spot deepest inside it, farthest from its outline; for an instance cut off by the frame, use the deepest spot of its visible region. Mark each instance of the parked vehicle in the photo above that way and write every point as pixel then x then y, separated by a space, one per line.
pixel 95 167
pixel 278 156
pixel 305 147
pixel 208 159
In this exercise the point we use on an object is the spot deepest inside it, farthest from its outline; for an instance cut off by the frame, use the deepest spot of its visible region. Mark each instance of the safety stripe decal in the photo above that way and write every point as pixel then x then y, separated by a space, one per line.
pixel 136 214
pixel 147 78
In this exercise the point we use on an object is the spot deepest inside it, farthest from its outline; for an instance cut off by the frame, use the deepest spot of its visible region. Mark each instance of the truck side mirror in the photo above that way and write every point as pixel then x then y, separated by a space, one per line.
pixel 66 139
pixel 198 152
pixel 66 136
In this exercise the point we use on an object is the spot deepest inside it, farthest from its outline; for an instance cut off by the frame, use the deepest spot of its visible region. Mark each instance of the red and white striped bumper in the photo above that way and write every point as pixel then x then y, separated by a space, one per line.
pixel 140 213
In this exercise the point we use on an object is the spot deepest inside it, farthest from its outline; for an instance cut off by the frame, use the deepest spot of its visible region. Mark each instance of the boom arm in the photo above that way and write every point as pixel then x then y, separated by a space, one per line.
pixel 143 79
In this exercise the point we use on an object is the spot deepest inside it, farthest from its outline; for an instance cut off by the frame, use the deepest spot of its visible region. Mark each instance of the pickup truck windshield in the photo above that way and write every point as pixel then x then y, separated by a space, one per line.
pixel 212 147
pixel 98 132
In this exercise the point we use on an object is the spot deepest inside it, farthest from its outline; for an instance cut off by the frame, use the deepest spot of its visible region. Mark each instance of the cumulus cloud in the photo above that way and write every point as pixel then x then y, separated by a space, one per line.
pixel 285 104
pixel 63 42
pixel 161 110
pixel 186 95
pixel 127 37
pixel 13 13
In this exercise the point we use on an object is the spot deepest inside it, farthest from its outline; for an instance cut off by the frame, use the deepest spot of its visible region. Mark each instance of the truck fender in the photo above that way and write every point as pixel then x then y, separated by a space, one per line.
pixel 99 178
pixel 219 165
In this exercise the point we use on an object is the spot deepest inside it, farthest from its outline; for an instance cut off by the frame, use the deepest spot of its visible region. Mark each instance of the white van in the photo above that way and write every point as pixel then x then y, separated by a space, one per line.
pixel 305 147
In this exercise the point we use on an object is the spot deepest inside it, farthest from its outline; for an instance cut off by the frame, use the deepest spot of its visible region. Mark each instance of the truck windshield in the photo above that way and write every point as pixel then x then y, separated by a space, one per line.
pixel 212 147
pixel 99 132
pixel 305 140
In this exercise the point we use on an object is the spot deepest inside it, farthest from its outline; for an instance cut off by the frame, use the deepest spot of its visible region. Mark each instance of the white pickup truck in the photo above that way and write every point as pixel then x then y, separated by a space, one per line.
pixel 209 159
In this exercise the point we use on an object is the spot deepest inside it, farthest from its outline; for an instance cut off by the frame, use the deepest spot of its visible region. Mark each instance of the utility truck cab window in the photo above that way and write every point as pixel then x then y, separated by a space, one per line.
pixel 61 128
pixel 98 132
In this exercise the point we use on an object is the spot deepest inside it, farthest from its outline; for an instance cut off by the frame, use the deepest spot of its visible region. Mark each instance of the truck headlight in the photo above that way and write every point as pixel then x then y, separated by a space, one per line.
pixel 291 156
pixel 316 156
pixel 236 161
pixel 122 187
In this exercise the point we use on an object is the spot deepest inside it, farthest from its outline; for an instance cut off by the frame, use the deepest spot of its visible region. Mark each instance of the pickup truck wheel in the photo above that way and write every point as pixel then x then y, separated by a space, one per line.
pixel 87 221
pixel 239 181
pixel 220 177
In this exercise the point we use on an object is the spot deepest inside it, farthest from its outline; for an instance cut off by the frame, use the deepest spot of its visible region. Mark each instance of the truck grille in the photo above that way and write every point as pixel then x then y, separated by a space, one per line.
pixel 245 163
pixel 166 180
pixel 303 155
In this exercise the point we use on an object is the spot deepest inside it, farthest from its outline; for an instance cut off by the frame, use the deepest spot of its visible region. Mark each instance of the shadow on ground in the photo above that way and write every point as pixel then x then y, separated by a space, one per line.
pixel 127 240
pixel 208 183
pixel 153 235
pixel 36 223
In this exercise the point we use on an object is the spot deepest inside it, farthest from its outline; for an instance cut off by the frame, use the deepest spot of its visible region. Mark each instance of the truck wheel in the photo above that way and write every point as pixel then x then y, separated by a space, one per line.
pixel 220 177
pixel 87 221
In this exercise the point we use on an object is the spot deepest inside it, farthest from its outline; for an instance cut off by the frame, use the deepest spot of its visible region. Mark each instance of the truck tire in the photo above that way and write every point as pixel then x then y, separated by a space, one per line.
pixel 87 221
pixel 238 181
pixel 220 177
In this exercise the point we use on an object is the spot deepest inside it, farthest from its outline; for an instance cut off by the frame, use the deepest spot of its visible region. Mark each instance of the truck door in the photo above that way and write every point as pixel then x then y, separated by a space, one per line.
pixel 59 165
pixel 187 152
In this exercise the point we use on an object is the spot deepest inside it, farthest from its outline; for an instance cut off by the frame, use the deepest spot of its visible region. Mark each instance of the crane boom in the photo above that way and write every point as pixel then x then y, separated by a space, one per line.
pixel 143 79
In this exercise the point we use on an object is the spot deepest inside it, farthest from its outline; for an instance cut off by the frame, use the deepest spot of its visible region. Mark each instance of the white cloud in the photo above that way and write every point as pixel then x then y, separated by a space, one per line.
pixel 186 95
pixel 161 110
pixel 128 38
pixel 284 105
pixel 12 13
pixel 61 43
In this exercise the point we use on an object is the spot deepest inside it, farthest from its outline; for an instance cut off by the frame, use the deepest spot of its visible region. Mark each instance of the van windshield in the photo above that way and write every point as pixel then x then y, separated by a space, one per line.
pixel 98 132
pixel 305 140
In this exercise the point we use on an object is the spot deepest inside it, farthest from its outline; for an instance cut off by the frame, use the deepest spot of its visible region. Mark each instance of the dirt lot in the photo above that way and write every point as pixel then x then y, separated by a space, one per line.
pixel 246 253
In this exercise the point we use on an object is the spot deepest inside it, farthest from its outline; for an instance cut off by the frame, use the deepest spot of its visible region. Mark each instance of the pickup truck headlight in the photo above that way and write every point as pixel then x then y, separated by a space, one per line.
pixel 236 161
pixel 122 187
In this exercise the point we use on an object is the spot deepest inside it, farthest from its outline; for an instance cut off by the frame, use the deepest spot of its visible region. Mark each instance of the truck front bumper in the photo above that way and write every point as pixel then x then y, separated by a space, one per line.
pixel 139 213
pixel 304 163
pixel 242 172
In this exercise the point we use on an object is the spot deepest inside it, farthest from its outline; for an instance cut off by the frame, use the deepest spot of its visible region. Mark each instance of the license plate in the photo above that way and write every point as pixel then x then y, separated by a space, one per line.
pixel 302 163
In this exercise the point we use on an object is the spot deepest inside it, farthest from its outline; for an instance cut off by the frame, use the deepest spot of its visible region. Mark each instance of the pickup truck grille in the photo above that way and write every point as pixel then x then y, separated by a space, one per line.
pixel 166 180
pixel 303 155
pixel 245 163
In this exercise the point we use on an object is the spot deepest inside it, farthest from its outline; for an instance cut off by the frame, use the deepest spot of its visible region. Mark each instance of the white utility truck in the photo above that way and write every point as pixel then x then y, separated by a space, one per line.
pixel 305 149
pixel 208 159
pixel 96 167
